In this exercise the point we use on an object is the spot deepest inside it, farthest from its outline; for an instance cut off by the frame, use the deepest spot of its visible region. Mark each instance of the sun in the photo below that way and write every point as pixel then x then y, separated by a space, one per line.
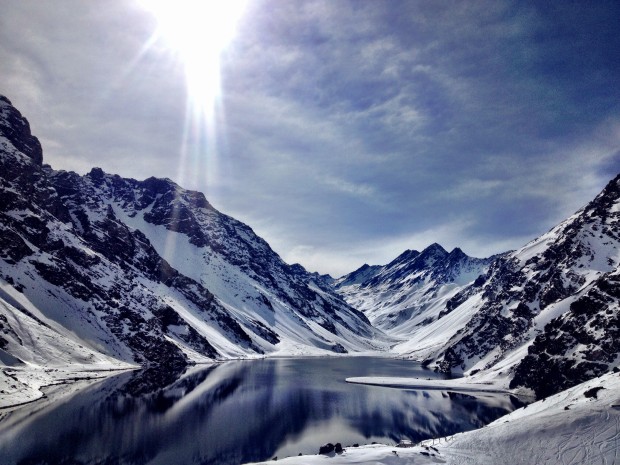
pixel 198 31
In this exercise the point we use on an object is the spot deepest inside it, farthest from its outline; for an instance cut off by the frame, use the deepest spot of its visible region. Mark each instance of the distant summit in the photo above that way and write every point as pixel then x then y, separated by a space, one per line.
pixel 411 290
pixel 100 271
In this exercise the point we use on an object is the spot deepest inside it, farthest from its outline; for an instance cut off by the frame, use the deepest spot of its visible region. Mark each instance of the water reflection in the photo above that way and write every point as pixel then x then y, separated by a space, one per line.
pixel 237 412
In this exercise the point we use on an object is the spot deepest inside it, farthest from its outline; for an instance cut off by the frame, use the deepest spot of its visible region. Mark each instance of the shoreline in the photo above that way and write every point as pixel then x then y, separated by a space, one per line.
pixel 456 384
pixel 572 427
pixel 35 382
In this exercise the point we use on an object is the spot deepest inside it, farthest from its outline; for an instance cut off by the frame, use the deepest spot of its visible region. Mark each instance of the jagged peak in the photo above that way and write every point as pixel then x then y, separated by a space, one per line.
pixel 96 172
pixel 358 271
pixel 408 254
pixel 457 251
pixel 359 276
pixel 297 268
pixel 609 196
pixel 16 129
pixel 435 248
pixel 159 185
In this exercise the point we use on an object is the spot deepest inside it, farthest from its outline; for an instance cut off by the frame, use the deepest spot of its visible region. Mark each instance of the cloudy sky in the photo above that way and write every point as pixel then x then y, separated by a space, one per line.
pixel 343 132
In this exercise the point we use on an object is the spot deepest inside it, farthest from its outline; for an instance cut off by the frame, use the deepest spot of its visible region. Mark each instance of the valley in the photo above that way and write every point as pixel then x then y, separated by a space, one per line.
pixel 102 275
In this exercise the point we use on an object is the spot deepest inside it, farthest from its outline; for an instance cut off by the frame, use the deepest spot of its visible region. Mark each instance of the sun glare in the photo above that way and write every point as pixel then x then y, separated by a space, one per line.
pixel 198 31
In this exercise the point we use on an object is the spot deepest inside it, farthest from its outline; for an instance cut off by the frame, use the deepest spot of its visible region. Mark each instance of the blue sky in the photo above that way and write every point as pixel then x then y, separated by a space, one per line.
pixel 346 131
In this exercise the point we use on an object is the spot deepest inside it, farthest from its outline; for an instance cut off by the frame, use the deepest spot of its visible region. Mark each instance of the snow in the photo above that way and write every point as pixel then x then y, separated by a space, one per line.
pixel 20 386
pixel 49 343
pixel 374 454
pixel 238 292
pixel 407 293
pixel 457 385
pixel 434 336
pixel 568 428
pixel 40 353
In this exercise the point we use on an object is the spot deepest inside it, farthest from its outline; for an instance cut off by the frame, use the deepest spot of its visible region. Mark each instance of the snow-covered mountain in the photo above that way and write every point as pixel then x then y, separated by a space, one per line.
pixel 145 272
pixel 101 272
pixel 545 315
pixel 412 290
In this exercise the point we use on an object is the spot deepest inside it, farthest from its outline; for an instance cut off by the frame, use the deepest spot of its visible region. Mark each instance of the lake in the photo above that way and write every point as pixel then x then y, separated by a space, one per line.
pixel 237 412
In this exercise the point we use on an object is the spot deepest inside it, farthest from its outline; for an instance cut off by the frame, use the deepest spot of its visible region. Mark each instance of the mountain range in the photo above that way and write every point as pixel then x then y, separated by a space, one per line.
pixel 412 290
pixel 544 317
pixel 99 271
pixel 145 272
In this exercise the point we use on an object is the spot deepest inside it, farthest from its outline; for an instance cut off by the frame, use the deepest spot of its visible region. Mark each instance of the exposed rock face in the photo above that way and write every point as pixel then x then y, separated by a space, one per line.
pixel 17 131
pixel 148 272
pixel 326 449
pixel 584 341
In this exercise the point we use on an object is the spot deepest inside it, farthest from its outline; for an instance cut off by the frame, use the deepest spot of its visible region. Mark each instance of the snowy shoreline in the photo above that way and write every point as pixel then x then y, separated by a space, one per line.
pixel 579 426
pixel 456 385
pixel 23 386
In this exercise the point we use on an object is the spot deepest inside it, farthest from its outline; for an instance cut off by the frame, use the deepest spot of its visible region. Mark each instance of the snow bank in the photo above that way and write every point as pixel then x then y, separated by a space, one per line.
pixel 457 385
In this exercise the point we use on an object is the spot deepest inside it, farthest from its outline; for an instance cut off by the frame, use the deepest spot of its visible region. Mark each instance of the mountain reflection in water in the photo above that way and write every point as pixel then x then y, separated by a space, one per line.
pixel 237 412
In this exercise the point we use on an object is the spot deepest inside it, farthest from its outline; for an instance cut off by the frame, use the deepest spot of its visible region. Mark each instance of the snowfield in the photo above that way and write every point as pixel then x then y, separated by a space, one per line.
pixel 43 354
pixel 19 386
pixel 579 426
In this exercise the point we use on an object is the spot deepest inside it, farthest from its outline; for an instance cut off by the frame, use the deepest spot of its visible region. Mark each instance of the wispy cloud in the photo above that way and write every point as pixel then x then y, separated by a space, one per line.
pixel 348 130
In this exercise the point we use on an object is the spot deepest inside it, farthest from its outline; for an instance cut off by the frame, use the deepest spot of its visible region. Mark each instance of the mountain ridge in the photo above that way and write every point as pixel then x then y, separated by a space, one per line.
pixel 148 273
pixel 545 315
pixel 116 272
pixel 410 290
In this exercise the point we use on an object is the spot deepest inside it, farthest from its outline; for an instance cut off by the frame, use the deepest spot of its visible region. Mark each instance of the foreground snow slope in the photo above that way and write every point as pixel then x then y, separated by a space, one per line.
pixel 580 426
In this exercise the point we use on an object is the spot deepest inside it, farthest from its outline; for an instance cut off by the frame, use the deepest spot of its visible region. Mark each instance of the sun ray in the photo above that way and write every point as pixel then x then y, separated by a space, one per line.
pixel 196 32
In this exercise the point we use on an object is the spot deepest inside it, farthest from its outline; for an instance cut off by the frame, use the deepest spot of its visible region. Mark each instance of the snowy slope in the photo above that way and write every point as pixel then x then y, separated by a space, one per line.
pixel 411 291
pixel 36 352
pixel 146 272
pixel 546 313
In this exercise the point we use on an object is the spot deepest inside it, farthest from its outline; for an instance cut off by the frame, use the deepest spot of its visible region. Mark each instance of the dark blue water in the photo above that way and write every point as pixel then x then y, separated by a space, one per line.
pixel 237 412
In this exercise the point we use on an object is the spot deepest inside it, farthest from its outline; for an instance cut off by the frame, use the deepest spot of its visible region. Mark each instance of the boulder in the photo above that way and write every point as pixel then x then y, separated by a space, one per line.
pixel 327 448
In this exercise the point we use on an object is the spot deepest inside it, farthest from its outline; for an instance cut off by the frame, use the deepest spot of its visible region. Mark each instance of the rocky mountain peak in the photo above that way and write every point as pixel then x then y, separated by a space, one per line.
pixel 457 252
pixel 16 129
pixel 405 256
pixel 433 253
pixel 410 291
pixel 96 174
pixel 556 297
pixel 359 276
pixel 602 207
